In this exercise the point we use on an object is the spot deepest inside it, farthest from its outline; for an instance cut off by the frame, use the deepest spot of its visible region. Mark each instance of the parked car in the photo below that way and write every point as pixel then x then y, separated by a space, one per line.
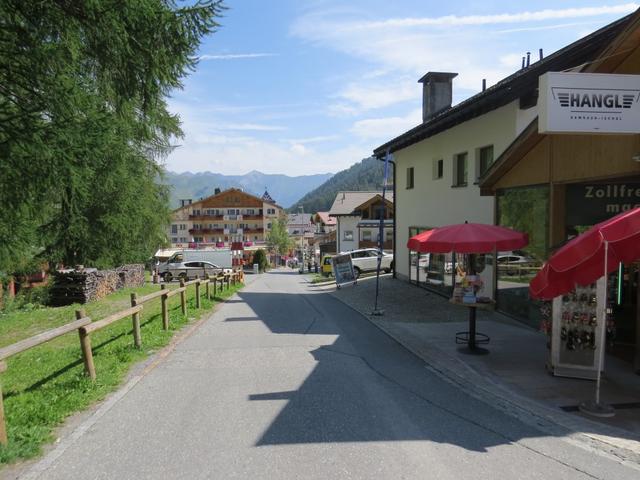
pixel 189 270
pixel 327 266
pixel 366 260
pixel 512 264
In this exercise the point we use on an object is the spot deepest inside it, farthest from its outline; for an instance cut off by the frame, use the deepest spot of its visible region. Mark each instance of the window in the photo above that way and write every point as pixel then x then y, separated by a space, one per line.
pixel 183 226
pixel 409 178
pixel 196 212
pixel 485 159
pixel 348 235
pixel 174 239
pixel 196 226
pixel 460 170
pixel 174 228
pixel 438 169
pixel 366 235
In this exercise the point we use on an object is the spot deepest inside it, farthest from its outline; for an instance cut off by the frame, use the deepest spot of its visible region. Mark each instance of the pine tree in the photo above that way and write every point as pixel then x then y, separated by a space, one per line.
pixel 84 123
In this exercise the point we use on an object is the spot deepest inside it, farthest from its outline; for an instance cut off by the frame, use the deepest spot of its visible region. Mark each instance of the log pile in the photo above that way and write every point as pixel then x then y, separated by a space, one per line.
pixel 82 285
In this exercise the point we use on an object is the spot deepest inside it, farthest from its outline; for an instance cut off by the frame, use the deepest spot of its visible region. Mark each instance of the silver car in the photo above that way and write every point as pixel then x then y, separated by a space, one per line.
pixel 189 270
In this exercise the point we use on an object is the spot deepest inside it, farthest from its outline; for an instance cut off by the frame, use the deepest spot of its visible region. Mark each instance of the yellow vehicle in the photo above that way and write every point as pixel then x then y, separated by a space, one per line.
pixel 327 267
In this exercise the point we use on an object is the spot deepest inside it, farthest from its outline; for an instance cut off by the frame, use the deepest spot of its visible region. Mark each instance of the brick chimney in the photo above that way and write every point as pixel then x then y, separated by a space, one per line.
pixel 437 93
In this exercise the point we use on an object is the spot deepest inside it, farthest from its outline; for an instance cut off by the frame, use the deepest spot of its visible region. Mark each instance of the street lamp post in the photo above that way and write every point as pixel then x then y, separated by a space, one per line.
pixel 301 208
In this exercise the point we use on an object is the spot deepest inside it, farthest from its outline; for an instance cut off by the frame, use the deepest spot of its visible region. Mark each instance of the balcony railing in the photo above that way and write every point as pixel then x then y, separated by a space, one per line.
pixel 232 217
pixel 197 231
pixel 205 217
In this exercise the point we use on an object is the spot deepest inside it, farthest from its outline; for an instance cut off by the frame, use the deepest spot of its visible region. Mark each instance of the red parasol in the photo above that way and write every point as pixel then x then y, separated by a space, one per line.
pixel 468 238
pixel 582 260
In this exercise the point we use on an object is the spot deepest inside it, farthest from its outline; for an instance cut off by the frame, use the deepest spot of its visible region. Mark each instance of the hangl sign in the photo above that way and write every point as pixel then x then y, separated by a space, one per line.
pixel 589 103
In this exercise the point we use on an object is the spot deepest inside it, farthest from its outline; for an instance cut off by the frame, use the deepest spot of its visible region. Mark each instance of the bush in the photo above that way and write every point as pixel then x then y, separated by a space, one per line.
pixel 260 257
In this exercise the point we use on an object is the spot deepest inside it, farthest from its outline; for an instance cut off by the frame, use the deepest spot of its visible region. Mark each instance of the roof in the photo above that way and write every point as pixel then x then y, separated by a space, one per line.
pixel 326 219
pixel 299 219
pixel 521 83
pixel 195 204
pixel 346 202
pixel 267 198
pixel 613 55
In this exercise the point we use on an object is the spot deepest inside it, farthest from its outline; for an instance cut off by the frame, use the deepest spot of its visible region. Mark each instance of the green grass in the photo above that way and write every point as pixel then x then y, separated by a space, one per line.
pixel 46 384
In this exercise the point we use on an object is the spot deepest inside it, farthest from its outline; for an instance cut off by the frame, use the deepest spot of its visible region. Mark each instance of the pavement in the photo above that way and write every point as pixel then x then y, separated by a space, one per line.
pixel 284 381
pixel 512 376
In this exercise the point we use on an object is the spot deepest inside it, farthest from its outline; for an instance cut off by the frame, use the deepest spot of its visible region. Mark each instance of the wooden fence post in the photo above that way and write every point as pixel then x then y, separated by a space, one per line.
pixel 215 286
pixel 165 311
pixel 135 318
pixel 208 278
pixel 197 292
pixel 3 427
pixel 183 300
pixel 85 345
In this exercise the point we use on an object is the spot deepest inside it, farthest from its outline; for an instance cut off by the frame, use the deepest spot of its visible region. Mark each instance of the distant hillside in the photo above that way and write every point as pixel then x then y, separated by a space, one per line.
pixel 365 175
pixel 283 189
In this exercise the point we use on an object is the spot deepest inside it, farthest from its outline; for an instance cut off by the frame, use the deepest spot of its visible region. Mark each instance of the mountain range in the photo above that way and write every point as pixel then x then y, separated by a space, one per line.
pixel 285 190
pixel 364 175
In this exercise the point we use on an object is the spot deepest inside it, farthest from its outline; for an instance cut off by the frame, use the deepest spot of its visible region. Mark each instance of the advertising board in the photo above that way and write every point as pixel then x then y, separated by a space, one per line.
pixel 343 270
pixel 572 102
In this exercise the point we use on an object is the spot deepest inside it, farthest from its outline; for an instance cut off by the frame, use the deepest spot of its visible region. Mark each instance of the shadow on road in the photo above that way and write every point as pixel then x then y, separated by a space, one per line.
pixel 365 387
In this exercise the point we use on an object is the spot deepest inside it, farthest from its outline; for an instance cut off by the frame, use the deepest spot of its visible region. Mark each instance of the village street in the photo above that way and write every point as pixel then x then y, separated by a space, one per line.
pixel 283 382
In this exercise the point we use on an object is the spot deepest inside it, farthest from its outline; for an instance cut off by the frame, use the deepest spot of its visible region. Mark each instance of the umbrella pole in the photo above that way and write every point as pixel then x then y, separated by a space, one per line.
pixel 596 408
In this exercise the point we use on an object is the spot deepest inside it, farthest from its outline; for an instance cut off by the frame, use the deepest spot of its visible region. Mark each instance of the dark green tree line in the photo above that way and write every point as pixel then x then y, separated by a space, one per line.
pixel 84 123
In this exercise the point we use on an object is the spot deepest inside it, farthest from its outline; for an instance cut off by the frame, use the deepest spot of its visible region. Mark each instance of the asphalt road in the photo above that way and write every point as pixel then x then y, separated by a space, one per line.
pixel 285 383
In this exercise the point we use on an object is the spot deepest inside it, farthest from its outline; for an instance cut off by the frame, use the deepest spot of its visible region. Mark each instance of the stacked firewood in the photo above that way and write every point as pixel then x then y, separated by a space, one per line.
pixel 82 285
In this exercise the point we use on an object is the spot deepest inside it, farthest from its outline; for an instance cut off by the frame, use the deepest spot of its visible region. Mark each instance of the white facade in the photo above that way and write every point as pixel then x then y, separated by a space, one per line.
pixel 347 233
pixel 434 202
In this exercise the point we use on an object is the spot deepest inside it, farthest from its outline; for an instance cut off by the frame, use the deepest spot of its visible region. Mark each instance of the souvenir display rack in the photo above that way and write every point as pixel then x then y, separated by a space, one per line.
pixel 575 345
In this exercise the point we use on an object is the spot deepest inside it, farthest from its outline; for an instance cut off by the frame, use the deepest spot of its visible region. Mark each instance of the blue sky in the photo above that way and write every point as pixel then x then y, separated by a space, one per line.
pixel 303 87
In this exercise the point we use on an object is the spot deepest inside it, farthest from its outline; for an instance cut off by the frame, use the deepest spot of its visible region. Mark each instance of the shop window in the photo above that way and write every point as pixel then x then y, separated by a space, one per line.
pixel 409 178
pixel 348 235
pixel 485 159
pixel 366 235
pixel 460 170
pixel 438 169
pixel 526 210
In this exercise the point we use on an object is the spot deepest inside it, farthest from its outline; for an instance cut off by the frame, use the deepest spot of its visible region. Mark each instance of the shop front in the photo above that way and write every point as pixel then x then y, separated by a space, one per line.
pixel 555 187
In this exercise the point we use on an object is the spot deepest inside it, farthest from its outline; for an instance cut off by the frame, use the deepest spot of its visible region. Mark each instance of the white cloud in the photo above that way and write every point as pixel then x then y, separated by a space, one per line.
pixel 235 56
pixel 358 97
pixel 537 16
pixel 384 129
pixel 249 126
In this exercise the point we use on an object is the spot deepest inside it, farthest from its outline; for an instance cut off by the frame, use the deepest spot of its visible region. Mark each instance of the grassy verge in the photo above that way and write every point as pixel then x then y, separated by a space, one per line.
pixel 46 384
pixel 318 278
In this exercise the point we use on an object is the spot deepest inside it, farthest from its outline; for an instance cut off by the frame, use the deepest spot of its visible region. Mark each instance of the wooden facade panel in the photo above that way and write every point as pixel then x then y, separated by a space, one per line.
pixel 588 157
pixel 532 169
pixel 231 199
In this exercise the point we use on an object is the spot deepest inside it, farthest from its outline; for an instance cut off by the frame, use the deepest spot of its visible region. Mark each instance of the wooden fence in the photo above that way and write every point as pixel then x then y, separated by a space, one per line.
pixel 86 326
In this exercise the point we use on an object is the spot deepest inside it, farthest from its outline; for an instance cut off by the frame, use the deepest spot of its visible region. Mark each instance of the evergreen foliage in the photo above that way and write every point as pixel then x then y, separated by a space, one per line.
pixel 364 175
pixel 260 257
pixel 84 123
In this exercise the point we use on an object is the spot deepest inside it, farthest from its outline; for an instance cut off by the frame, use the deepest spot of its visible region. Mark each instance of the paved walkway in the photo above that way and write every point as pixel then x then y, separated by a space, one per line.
pixel 282 382
pixel 513 375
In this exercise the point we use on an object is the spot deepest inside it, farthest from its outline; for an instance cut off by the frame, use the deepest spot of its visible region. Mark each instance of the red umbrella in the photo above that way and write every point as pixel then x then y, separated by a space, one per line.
pixel 582 260
pixel 468 238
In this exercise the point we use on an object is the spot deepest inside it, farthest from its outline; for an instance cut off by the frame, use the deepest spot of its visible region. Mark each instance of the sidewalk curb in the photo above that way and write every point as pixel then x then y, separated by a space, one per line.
pixel 602 439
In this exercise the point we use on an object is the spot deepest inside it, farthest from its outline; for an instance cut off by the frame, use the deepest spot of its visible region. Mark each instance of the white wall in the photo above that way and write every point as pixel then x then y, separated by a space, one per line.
pixel 347 223
pixel 433 203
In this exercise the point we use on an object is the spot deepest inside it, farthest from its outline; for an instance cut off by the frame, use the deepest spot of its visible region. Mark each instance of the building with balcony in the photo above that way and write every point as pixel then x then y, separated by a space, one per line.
pixel 223 218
